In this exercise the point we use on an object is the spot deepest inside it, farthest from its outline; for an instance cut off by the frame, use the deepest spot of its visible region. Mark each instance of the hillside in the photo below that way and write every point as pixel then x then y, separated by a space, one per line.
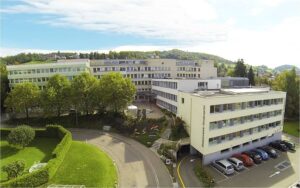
pixel 170 54
pixel 285 67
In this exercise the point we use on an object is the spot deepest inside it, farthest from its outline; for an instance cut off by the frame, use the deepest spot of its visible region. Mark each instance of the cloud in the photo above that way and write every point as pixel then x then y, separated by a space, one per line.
pixel 185 21
pixel 192 25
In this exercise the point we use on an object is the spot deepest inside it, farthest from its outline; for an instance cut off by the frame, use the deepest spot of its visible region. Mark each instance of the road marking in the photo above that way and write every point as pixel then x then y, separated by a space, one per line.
pixel 178 173
pixel 276 173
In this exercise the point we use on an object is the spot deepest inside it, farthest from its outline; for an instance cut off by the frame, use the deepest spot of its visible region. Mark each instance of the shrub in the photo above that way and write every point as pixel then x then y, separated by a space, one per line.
pixel 21 136
pixel 43 175
pixel 203 176
pixel 14 169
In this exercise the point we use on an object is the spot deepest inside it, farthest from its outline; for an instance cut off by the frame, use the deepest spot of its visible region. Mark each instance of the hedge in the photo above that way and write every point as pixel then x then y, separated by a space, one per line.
pixel 43 175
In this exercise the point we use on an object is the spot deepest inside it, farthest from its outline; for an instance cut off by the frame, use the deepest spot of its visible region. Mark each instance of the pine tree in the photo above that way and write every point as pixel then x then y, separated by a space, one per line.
pixel 240 69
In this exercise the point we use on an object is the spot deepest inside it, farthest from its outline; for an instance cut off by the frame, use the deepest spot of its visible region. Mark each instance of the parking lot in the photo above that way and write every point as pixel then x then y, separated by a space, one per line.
pixel 280 172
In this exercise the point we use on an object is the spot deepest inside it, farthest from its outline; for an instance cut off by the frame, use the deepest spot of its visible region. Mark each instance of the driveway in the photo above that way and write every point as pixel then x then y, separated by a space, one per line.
pixel 137 165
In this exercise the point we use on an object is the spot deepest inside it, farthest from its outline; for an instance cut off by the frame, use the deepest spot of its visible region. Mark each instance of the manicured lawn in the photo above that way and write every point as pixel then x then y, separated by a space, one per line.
pixel 292 128
pixel 86 165
pixel 39 149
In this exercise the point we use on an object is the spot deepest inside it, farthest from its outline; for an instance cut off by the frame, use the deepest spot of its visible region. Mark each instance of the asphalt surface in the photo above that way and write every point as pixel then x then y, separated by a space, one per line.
pixel 186 171
pixel 137 165
pixel 267 174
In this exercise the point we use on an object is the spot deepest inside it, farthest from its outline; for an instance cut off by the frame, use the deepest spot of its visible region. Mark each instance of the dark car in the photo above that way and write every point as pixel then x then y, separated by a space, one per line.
pixel 264 155
pixel 256 158
pixel 272 152
pixel 278 145
pixel 289 145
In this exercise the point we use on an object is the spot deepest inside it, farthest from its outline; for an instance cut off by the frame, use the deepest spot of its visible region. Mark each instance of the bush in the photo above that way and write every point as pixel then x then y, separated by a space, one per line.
pixel 14 169
pixel 43 175
pixel 21 136
pixel 203 176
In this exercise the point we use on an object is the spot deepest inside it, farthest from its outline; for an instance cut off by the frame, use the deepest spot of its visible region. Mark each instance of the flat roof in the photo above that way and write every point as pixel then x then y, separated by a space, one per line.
pixel 228 92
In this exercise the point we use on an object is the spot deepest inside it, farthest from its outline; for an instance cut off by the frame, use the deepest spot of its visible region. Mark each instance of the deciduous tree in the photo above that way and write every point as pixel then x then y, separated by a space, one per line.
pixel 23 97
pixel 56 96
pixel 117 92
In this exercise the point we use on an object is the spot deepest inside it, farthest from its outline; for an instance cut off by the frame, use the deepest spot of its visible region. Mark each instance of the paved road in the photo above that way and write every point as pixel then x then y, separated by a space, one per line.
pixel 138 166
pixel 186 172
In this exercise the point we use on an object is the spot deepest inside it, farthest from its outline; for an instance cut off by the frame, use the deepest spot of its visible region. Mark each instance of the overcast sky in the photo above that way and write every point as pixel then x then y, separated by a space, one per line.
pixel 259 31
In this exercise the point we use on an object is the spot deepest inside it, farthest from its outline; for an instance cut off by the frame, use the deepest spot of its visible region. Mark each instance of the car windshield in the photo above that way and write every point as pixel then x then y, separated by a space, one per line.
pixel 229 167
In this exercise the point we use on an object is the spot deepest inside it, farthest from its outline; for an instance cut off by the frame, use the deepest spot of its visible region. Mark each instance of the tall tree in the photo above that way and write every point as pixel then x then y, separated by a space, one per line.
pixel 117 92
pixel 240 69
pixel 55 97
pixel 289 82
pixel 4 85
pixel 82 90
pixel 251 77
pixel 222 70
pixel 23 97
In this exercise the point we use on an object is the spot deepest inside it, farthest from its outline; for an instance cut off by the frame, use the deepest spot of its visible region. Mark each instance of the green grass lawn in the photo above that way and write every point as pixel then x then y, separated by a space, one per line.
pixel 86 165
pixel 39 149
pixel 292 128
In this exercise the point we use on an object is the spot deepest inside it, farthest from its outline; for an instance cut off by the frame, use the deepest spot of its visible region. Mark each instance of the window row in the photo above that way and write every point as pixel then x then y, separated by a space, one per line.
pixel 166 84
pixel 165 95
pixel 33 80
pixel 167 106
pixel 131 69
pixel 188 69
pixel 47 70
pixel 244 119
pixel 244 105
pixel 182 75
pixel 240 134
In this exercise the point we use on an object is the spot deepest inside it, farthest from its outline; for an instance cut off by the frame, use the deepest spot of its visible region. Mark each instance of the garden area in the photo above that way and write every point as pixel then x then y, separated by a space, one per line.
pixel 86 165
pixel 292 128
pixel 39 150
pixel 41 157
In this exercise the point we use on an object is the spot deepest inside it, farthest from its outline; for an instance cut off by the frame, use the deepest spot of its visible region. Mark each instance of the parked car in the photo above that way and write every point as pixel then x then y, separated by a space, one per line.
pixel 223 166
pixel 278 145
pixel 236 163
pixel 256 158
pixel 262 153
pixel 288 144
pixel 272 152
pixel 245 158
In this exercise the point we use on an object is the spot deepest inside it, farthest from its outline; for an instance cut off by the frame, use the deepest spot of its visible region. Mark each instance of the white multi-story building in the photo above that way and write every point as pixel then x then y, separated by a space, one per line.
pixel 166 90
pixel 40 73
pixel 141 72
pixel 221 123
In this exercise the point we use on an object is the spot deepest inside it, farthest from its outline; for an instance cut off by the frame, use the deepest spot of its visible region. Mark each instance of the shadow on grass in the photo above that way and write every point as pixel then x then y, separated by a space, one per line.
pixel 7 151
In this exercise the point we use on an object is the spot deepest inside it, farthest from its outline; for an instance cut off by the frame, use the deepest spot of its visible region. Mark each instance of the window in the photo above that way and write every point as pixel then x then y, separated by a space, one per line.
pixel 224 150
pixel 236 147
pixel 246 143
pixel 182 100
pixel 212 109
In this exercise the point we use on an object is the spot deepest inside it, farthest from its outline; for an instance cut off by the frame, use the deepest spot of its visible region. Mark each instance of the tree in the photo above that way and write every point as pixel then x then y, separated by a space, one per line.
pixel 251 77
pixel 14 169
pixel 4 84
pixel 83 89
pixel 24 96
pixel 240 69
pixel 21 136
pixel 55 97
pixel 117 92
pixel 289 82
pixel 222 70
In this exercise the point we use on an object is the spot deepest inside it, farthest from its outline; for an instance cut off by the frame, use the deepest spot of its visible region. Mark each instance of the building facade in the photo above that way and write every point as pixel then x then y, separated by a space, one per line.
pixel 40 73
pixel 141 72
pixel 221 123
pixel 166 90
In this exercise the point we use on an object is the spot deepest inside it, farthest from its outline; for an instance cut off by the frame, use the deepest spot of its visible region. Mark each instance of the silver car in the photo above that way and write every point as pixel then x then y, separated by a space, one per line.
pixel 237 164
pixel 224 166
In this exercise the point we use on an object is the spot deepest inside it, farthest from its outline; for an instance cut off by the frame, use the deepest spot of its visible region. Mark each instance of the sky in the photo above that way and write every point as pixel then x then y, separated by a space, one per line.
pixel 262 32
